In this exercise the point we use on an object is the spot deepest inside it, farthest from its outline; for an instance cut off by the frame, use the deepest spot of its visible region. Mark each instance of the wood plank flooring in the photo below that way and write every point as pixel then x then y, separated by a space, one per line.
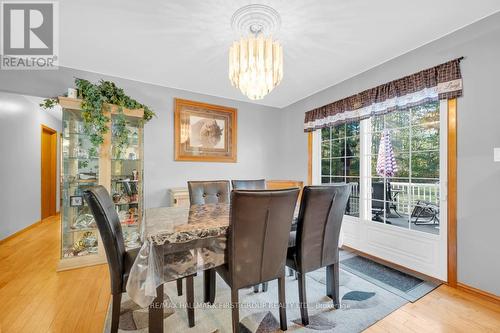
pixel 35 298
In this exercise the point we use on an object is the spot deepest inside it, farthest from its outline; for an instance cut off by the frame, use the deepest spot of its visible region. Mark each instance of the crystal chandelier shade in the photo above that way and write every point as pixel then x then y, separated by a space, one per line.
pixel 256 65
pixel 256 60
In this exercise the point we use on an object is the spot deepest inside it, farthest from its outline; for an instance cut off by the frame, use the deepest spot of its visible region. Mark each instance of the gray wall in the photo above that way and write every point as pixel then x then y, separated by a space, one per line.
pixel 20 153
pixel 257 141
pixel 478 123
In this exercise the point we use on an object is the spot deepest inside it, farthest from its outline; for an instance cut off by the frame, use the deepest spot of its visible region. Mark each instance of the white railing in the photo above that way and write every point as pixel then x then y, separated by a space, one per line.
pixel 401 193
pixel 404 192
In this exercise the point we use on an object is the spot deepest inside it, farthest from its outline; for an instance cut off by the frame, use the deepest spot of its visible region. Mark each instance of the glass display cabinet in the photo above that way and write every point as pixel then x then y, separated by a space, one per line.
pixel 117 165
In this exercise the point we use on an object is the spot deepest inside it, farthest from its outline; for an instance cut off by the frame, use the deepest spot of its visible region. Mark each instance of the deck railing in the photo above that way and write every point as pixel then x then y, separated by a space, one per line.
pixel 401 193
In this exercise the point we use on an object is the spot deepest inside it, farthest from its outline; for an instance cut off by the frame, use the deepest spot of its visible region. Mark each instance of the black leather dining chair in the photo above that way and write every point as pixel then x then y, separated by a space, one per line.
pixel 257 184
pixel 315 242
pixel 120 260
pixel 258 236
pixel 200 193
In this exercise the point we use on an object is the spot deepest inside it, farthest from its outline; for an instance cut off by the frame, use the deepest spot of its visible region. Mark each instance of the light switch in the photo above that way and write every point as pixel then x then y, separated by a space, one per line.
pixel 496 154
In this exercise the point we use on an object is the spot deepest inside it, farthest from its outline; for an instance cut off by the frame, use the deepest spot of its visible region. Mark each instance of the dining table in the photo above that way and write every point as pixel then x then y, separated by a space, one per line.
pixel 178 242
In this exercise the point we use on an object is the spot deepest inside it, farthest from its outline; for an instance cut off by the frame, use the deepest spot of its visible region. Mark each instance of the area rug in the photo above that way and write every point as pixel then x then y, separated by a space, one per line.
pixel 363 304
pixel 405 285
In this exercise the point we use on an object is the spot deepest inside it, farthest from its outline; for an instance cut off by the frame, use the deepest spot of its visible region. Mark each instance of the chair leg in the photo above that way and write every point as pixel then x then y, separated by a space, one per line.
pixel 190 299
pixel 303 298
pixel 256 288
pixel 264 287
pixel 156 312
pixel 332 284
pixel 209 285
pixel 115 312
pixel 179 287
pixel 282 302
pixel 235 310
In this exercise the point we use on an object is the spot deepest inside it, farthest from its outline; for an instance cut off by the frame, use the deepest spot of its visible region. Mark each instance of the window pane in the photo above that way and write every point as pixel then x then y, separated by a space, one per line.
pixel 394 219
pixel 375 143
pixel 325 149
pixel 425 165
pixel 325 167
pixel 403 164
pixel 338 179
pixel 377 123
pixel 378 188
pixel 400 140
pixel 352 208
pixel 425 206
pixel 352 146
pixel 426 114
pixel 325 180
pixel 338 132
pixel 373 163
pixel 425 138
pixel 397 119
pixel 337 147
pixel 325 133
pixel 337 167
pixel 399 192
pixel 352 129
pixel 352 166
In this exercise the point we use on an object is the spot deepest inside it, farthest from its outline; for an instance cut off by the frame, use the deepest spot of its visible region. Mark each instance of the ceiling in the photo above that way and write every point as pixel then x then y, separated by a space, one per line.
pixel 184 44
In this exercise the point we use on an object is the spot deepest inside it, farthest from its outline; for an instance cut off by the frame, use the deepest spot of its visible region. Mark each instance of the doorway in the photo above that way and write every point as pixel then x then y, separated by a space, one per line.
pixel 49 172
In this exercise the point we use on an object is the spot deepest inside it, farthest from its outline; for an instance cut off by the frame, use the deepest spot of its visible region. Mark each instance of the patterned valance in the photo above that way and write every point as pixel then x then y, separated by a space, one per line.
pixel 440 82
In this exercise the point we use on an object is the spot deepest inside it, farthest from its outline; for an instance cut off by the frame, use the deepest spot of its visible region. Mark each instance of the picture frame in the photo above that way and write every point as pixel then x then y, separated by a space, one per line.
pixel 204 132
pixel 76 201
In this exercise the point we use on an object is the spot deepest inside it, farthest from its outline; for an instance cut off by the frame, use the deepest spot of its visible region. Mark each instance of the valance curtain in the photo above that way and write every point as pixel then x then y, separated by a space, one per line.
pixel 440 82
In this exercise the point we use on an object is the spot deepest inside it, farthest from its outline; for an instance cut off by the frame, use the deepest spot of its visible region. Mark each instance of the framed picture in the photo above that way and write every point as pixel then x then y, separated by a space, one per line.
pixel 76 201
pixel 204 132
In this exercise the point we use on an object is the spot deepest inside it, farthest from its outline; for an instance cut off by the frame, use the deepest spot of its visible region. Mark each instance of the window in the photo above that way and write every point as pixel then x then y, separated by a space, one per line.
pixel 340 158
pixel 408 198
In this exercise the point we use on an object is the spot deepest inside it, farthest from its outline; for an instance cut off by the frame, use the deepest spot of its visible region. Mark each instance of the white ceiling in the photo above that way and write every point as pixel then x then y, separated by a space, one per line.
pixel 183 44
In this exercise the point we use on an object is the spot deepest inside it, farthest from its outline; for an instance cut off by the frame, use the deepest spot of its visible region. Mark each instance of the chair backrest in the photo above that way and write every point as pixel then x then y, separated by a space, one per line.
pixel 260 223
pixel 108 223
pixel 379 201
pixel 208 192
pixel 318 227
pixel 258 184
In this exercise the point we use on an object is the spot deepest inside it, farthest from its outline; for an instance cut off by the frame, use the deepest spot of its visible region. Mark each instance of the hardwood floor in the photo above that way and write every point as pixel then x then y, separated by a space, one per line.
pixel 35 298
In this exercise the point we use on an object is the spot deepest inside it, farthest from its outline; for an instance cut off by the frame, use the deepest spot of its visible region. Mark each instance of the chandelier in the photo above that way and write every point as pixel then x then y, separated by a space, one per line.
pixel 256 60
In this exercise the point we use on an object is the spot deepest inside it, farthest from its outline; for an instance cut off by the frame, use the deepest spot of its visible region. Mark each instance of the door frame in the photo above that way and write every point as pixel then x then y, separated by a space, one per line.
pixel 451 186
pixel 53 144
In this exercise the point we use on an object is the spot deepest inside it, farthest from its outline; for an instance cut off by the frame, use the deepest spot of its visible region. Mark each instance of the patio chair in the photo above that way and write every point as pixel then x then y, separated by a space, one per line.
pixel 379 205
pixel 425 213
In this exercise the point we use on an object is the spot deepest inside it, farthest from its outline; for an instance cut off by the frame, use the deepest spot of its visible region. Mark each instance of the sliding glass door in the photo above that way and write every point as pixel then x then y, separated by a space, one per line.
pixel 396 166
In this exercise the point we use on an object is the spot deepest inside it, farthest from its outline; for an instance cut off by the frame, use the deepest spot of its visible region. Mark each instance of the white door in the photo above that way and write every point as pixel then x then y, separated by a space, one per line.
pixel 401 217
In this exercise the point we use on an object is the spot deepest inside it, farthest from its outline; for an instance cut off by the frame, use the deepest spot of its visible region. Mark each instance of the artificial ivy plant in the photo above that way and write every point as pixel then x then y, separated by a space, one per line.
pixel 94 97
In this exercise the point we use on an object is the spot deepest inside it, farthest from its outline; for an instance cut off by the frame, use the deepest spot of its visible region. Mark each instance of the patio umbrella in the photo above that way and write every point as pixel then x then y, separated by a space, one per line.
pixel 386 162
